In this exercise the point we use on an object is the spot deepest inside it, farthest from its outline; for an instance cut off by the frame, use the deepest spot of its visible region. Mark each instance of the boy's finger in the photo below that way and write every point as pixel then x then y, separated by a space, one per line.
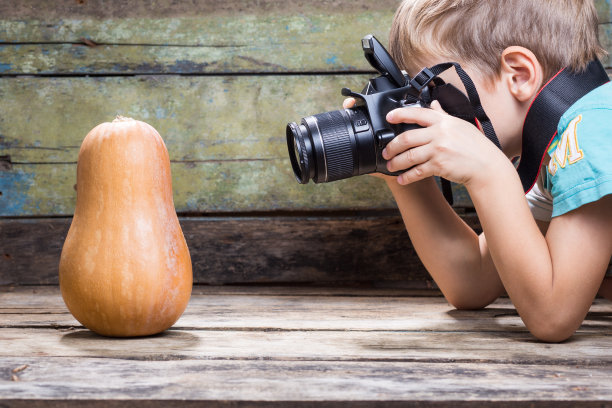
pixel 410 158
pixel 348 103
pixel 417 173
pixel 421 116
pixel 435 105
pixel 407 140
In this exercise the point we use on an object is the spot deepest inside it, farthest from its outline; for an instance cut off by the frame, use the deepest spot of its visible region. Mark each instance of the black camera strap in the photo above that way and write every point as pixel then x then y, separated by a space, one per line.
pixel 554 99
pixel 423 78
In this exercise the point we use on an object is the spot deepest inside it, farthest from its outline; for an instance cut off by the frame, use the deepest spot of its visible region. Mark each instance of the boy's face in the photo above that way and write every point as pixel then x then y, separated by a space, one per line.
pixel 506 114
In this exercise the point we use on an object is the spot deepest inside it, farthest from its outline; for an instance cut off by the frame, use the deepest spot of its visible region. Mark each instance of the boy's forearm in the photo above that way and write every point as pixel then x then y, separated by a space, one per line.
pixel 447 246
pixel 520 252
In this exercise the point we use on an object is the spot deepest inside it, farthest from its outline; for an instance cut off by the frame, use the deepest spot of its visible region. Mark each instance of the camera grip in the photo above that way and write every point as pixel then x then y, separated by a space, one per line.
pixel 383 139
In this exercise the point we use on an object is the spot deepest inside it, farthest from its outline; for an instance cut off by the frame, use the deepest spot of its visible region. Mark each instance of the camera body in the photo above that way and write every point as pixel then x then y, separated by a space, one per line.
pixel 345 143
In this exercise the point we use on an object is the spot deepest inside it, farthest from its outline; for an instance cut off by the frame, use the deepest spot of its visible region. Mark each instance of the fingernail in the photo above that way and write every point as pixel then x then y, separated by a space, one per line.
pixel 390 116
pixel 384 154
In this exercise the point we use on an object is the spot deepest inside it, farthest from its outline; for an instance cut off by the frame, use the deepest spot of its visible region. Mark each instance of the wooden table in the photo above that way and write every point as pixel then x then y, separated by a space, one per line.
pixel 289 346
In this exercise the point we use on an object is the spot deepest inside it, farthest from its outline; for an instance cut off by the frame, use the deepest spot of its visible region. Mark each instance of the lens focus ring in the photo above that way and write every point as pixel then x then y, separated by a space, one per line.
pixel 339 153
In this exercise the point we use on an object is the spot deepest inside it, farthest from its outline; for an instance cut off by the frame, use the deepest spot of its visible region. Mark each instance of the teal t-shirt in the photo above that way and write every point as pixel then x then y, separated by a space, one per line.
pixel 580 167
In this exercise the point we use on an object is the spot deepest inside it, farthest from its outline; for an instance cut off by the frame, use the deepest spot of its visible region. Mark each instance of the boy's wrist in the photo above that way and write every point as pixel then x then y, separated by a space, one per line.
pixel 492 170
pixel 500 173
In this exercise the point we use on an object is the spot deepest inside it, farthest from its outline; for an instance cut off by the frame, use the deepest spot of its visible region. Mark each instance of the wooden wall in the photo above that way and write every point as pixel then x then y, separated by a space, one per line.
pixel 219 81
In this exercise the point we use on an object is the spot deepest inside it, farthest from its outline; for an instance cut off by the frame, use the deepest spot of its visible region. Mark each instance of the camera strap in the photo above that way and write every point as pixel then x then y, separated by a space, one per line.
pixel 423 78
pixel 551 103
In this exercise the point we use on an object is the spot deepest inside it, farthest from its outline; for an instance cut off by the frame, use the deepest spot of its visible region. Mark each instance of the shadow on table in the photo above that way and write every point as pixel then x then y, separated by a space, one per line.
pixel 168 345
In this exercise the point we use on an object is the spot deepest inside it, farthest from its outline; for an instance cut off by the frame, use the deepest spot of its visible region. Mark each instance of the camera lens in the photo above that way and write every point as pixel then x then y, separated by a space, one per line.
pixel 300 155
pixel 324 147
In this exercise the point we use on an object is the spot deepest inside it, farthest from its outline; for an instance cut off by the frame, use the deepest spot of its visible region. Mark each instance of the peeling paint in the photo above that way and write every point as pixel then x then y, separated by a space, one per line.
pixel 15 186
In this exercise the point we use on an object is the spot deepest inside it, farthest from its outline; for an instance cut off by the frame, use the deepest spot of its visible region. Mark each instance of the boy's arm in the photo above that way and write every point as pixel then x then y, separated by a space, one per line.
pixel 551 280
pixel 456 258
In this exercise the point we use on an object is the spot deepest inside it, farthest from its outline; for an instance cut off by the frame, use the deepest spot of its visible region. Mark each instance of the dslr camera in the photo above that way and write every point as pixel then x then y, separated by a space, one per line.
pixel 345 143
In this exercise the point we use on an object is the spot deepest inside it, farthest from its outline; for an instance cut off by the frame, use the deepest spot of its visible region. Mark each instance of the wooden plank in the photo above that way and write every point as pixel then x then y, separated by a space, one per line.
pixel 203 37
pixel 207 37
pixel 318 55
pixel 45 296
pixel 231 23
pixel 101 9
pixel 163 9
pixel 299 383
pixel 201 119
pixel 315 346
pixel 199 187
pixel 165 22
pixel 350 249
pixel 224 312
pixel 293 309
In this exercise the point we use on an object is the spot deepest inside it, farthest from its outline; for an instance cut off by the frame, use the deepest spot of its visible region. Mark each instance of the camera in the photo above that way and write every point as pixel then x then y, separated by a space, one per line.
pixel 345 143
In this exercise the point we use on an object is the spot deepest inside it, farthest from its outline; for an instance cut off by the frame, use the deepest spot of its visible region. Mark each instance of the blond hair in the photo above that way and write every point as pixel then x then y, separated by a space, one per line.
pixel 561 33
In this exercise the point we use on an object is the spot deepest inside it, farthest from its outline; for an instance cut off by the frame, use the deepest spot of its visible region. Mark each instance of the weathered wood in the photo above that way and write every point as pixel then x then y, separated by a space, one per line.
pixel 292 309
pixel 300 345
pixel 200 37
pixel 164 9
pixel 196 37
pixel 352 249
pixel 59 378
pixel 101 9
pixel 269 357
pixel 340 53
pixel 202 119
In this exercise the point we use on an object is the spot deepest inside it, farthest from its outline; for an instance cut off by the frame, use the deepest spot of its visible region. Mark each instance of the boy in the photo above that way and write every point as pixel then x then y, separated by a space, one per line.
pixel 553 266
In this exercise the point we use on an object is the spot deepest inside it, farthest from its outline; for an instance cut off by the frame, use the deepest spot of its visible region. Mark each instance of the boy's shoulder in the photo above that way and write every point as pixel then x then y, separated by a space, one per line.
pixel 598 99
pixel 580 169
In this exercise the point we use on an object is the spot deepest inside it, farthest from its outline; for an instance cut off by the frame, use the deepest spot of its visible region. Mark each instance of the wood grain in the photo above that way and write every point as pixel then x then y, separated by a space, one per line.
pixel 196 37
pixel 54 379
pixel 348 249
pixel 300 53
pixel 291 309
pixel 315 346
pixel 246 347
pixel 136 9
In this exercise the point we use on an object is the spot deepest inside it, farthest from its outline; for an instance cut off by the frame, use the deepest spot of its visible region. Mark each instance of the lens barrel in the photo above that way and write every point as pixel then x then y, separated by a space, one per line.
pixel 324 147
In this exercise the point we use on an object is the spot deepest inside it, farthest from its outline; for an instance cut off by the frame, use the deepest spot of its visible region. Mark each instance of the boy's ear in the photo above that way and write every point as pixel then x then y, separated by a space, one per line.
pixel 522 72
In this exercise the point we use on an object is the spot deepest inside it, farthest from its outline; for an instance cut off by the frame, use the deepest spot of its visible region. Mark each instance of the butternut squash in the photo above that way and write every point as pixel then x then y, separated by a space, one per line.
pixel 125 269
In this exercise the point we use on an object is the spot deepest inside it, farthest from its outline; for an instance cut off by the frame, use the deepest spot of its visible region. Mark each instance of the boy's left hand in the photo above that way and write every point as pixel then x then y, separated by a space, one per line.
pixel 446 146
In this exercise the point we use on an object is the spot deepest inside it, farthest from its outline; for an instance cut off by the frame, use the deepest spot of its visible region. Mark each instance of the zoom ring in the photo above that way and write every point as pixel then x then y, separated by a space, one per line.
pixel 337 144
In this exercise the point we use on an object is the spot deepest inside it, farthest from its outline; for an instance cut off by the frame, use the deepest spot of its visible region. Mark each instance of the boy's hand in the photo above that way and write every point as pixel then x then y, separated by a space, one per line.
pixel 446 146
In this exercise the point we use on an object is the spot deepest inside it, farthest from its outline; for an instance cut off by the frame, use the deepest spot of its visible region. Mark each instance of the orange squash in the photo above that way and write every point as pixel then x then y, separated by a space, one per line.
pixel 125 268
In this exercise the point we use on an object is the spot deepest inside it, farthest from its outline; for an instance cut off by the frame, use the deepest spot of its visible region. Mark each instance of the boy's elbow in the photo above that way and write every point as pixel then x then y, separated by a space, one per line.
pixel 552 330
pixel 469 302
